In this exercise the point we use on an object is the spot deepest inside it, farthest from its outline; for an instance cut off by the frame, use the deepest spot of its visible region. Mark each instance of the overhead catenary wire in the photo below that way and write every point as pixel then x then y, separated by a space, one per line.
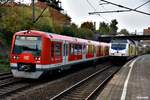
pixel 142 4
pixel 95 10
pixel 117 11
pixel 40 15
pixel 111 11
pixel 121 6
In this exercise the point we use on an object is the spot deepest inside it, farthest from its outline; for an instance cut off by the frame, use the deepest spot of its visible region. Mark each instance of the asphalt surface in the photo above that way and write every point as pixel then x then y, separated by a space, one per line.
pixel 132 82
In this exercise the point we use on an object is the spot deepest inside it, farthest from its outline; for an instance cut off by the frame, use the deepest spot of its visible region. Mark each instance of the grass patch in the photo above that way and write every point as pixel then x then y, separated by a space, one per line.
pixel 4 66
pixel 5 62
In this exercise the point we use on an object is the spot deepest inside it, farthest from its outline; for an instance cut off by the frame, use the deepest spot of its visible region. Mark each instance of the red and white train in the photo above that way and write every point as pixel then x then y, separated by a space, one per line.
pixel 34 52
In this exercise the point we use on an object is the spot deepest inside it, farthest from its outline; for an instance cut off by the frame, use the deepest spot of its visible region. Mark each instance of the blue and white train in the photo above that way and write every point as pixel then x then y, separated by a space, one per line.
pixel 123 49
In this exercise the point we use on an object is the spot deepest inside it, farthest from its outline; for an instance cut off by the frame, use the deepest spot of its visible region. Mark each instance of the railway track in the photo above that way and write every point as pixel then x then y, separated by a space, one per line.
pixel 86 88
pixel 64 82
pixel 11 85
pixel 5 75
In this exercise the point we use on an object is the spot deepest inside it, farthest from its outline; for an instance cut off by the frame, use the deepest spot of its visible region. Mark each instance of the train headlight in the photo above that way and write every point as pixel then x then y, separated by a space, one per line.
pixel 37 58
pixel 15 57
pixel 123 54
pixel 112 53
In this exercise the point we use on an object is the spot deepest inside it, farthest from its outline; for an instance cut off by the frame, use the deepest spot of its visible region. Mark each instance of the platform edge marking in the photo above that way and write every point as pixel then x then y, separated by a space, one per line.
pixel 124 92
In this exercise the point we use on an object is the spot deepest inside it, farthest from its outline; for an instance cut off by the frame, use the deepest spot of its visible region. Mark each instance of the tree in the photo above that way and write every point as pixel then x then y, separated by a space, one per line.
pixel 74 25
pixel 88 25
pixel 85 33
pixel 113 27
pixel 10 22
pixel 69 31
pixel 104 28
pixel 56 4
pixel 124 31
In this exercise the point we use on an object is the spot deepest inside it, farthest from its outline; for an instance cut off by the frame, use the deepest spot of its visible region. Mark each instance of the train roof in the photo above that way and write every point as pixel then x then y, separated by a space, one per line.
pixel 57 37
pixel 122 41
pixel 73 39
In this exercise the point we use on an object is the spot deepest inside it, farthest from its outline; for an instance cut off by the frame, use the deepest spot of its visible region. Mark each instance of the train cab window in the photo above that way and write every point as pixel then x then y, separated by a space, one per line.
pixel 28 44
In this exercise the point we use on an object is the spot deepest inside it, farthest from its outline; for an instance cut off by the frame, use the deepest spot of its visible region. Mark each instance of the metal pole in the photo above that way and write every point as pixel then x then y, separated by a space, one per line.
pixel 33 11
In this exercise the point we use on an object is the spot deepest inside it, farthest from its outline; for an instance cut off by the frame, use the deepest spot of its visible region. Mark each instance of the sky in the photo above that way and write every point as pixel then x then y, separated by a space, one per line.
pixel 78 10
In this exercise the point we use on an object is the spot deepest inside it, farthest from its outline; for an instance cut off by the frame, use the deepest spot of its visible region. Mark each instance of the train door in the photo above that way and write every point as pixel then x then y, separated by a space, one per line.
pixel 65 52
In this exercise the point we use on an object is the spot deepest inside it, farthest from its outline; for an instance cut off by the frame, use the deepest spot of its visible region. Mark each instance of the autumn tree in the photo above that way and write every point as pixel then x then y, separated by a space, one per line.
pixel 11 23
pixel 88 25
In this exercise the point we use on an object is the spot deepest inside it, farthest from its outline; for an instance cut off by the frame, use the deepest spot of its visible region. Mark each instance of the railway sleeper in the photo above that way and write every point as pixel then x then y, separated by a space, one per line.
pixel 79 93
pixel 73 98
pixel 6 76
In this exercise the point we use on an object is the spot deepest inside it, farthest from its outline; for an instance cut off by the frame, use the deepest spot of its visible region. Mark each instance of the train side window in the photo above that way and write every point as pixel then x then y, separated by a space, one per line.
pixel 71 49
pixel 64 48
pixel 99 49
pixel 79 49
pixel 75 49
pixel 52 50
pixel 84 49
pixel 90 49
pixel 57 49
pixel 94 49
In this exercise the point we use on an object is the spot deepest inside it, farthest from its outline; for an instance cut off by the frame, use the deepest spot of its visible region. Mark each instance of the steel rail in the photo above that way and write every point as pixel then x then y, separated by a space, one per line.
pixel 101 85
pixel 77 84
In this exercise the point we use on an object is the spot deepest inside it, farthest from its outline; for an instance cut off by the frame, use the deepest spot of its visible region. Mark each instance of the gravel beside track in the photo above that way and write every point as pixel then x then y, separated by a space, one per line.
pixel 5 76
pixel 50 89
pixel 83 89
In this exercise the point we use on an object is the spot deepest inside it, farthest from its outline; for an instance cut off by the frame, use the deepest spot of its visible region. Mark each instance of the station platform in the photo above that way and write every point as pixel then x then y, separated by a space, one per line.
pixel 132 82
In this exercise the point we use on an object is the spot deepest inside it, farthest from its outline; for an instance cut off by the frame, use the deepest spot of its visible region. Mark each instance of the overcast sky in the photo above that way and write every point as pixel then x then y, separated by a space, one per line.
pixel 78 10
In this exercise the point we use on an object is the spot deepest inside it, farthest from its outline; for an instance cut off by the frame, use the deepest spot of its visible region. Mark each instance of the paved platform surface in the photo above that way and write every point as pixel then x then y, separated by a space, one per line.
pixel 132 82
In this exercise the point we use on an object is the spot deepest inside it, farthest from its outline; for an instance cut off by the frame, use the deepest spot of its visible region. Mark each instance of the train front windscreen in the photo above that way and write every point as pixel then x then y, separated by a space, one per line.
pixel 27 44
pixel 118 46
